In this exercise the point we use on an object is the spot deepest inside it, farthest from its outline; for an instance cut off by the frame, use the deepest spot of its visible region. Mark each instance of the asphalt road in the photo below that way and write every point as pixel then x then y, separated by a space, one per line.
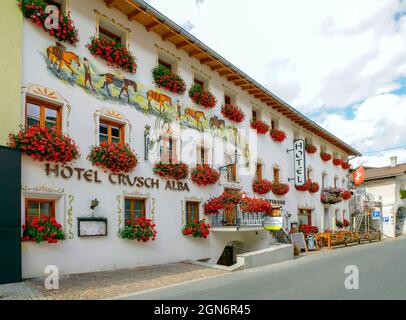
pixel 382 275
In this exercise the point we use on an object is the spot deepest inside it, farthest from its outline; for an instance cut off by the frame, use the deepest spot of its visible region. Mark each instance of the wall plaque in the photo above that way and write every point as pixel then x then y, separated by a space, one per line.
pixel 92 227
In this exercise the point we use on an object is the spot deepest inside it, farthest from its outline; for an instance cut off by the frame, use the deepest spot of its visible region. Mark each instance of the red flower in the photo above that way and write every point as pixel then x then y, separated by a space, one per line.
pixel 337 162
pixel 140 229
pixel 280 189
pixel 311 148
pixel 204 175
pixel 254 205
pixel 233 113
pixel 202 97
pixel 198 229
pixel 314 187
pixel 165 78
pixel 325 156
pixel 261 186
pixel 43 229
pixel 260 126
pixel 345 165
pixel 346 195
pixel 278 135
pixel 178 171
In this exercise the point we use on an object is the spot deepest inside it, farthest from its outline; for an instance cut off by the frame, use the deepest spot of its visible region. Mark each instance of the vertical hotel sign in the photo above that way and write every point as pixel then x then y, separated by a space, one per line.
pixel 300 162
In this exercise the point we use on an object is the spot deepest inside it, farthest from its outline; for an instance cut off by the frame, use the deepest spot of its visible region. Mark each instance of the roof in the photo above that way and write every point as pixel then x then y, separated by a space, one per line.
pixel 154 21
pixel 384 172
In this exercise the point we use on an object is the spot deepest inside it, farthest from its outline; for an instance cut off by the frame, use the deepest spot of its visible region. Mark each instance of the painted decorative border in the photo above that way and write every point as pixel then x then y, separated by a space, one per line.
pixel 167 52
pixel 43 188
pixel 227 88
pixel 98 13
pixel 71 199
pixel 112 115
pixel 153 206
pixel 119 213
pixel 182 210
pixel 201 71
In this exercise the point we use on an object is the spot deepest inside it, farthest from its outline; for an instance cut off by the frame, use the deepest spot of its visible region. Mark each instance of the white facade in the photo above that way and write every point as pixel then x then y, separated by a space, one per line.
pixel 81 112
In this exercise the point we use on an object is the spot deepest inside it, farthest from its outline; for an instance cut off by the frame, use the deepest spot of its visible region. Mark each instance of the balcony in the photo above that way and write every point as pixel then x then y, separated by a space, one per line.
pixel 331 196
pixel 239 221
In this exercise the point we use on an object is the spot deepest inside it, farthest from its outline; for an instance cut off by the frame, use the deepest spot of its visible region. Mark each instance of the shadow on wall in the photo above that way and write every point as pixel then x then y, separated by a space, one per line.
pixel 400 220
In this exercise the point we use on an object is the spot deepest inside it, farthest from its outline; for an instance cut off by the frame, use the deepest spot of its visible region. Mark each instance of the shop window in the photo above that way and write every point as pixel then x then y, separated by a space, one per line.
pixel 42 114
pixel 38 208
pixel 168 151
pixel 110 31
pixel 305 217
pixel 192 211
pixel 111 132
pixel 258 174
pixel 202 155
pixel 134 208
pixel 276 175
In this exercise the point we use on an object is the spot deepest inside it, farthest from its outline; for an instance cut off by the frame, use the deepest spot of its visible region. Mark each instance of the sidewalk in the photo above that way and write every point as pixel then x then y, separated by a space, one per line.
pixel 105 285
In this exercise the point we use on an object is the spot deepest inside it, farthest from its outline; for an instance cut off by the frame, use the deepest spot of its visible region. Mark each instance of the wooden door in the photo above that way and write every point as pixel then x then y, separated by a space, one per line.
pixel 230 215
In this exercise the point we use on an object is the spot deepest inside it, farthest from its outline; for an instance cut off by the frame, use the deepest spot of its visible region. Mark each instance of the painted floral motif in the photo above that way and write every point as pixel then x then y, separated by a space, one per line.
pixel 166 79
pixel 202 97
pixel 204 175
pixel 197 229
pixel 278 135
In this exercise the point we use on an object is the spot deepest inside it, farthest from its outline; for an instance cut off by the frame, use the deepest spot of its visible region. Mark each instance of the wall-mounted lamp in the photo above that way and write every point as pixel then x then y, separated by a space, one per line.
pixel 94 204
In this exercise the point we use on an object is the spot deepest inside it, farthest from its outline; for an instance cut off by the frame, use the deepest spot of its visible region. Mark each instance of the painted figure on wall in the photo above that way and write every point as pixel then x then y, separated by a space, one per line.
pixel 88 75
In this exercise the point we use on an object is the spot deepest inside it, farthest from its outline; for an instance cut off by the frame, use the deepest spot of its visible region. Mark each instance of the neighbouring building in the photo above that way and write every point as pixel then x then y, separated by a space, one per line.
pixel 81 95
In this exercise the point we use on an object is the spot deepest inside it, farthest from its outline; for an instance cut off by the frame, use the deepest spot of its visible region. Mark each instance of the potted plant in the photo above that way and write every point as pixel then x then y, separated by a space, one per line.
pixel 337 162
pixel 43 229
pixel 311 148
pixel 260 126
pixel 45 144
pixel 233 112
pixel 169 170
pixel 202 97
pixel 197 229
pixel 325 156
pixel 140 229
pixel 115 157
pixel 204 175
pixel 346 195
pixel 280 189
pixel 278 135
pixel 115 53
pixel 35 10
pixel 306 229
pixel 345 165
pixel 314 187
pixel 166 79
pixel 261 186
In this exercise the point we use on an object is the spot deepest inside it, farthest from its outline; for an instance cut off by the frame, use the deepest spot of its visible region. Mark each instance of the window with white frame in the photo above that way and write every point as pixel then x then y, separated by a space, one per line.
pixel 169 151
pixel 111 31
pixel 274 123
pixel 168 61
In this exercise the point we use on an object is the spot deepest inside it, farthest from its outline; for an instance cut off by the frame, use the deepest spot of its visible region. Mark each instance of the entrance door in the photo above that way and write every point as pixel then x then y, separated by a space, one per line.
pixel 230 215
pixel 10 215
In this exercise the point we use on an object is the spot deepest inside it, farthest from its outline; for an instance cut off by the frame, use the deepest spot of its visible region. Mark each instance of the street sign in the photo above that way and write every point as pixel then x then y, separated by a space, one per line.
pixel 300 165
pixel 386 219
pixel 376 215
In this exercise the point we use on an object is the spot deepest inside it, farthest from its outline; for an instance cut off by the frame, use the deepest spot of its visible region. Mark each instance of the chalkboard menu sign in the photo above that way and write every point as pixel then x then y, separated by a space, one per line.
pixel 298 240
pixel 311 242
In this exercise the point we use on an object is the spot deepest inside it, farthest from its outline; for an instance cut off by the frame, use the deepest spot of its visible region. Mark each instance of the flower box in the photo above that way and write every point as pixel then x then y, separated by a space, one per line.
pixel 261 186
pixel 197 229
pixel 254 205
pixel 346 195
pixel 114 157
pixel 178 171
pixel 204 175
pixel 325 156
pixel 35 10
pixel 278 135
pixel 337 162
pixel 311 148
pixel 45 144
pixel 233 113
pixel 345 165
pixel 280 189
pixel 303 188
pixel 306 229
pixel 141 229
pixel 115 53
pixel 204 98
pixel 314 187
pixel 331 196
pixel 346 223
pixel 43 229
pixel 166 79
pixel 224 201
pixel 260 126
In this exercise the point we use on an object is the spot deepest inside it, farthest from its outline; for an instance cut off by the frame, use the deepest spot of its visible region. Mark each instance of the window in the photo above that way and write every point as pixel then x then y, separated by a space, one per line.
pixel 227 99
pixel 255 115
pixel 168 151
pixel 305 217
pixel 192 211
pixel 323 181
pixel 43 114
pixel 111 132
pixel 202 157
pixel 110 31
pixel 231 169
pixel 309 173
pixel 165 64
pixel 38 208
pixel 259 171
pixel 134 208
pixel 276 175
pixel 274 123
pixel 198 82
pixel 335 182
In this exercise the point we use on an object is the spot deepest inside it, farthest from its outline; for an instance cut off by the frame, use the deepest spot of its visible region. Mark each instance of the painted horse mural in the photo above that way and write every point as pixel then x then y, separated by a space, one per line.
pixel 217 123
pixel 57 56
pixel 123 84
pixel 159 98
pixel 196 115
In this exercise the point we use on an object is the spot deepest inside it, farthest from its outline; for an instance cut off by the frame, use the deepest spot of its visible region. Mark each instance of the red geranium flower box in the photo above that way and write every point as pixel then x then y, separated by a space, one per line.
pixel 261 186
pixel 45 144
pixel 43 229
pixel 346 223
pixel 311 148
pixel 115 157
pixel 254 205
pixel 224 201
pixel 176 171
pixel 278 135
pixel 232 112
pixel 337 162
pixel 35 10
pixel 303 188
pixel 197 229
pixel 346 195
pixel 306 229
pixel 165 78
pixel 260 126
pixel 115 53
pixel 345 165
pixel 204 175
pixel 280 189
pixel 140 229
pixel 314 187
pixel 325 156
pixel 202 97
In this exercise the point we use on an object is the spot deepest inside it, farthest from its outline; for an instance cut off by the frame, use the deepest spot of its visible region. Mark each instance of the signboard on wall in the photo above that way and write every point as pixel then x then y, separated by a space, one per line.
pixel 92 227
pixel 300 163
pixel 274 223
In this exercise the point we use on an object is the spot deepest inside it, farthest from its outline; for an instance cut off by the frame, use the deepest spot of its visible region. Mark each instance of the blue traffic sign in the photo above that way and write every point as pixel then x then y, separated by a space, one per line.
pixel 376 215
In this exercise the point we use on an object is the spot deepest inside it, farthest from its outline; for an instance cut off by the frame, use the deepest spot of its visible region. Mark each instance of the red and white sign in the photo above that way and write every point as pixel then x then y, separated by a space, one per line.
pixel 358 176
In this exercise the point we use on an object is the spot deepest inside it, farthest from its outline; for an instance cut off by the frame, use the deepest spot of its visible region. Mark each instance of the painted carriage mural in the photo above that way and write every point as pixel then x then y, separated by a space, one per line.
pixel 79 71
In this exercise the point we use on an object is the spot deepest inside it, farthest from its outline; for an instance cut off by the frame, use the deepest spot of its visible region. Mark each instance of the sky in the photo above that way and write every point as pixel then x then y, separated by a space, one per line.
pixel 340 62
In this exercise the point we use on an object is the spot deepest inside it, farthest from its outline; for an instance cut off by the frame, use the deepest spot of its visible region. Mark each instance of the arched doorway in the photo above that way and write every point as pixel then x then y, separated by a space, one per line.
pixel 230 252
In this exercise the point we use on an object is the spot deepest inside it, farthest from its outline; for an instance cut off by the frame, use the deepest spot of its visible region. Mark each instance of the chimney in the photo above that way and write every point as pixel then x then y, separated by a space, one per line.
pixel 393 161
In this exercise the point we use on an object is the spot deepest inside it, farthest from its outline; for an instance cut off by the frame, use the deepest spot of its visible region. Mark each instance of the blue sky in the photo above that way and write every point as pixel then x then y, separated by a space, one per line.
pixel 342 63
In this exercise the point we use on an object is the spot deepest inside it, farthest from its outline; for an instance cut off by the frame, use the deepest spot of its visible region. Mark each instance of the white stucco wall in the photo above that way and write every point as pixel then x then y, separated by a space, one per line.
pixel 85 255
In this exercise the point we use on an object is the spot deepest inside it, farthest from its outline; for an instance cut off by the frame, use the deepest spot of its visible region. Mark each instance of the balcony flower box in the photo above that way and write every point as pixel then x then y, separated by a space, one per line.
pixel 304 188
pixel 337 162
pixel 254 205
pixel 204 175
pixel 202 97
pixel 43 229
pixel 45 144
pixel 260 126
pixel 314 187
pixel 325 156
pixel 311 148
pixel 280 189
pixel 176 171
pixel 278 135
pixel 140 229
pixel 346 195
pixel 345 165
pixel 223 202
pixel 115 157
pixel 306 229
pixel 197 229
pixel 331 196
pixel 166 79
pixel 35 10
pixel 261 186
pixel 115 53
pixel 233 113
